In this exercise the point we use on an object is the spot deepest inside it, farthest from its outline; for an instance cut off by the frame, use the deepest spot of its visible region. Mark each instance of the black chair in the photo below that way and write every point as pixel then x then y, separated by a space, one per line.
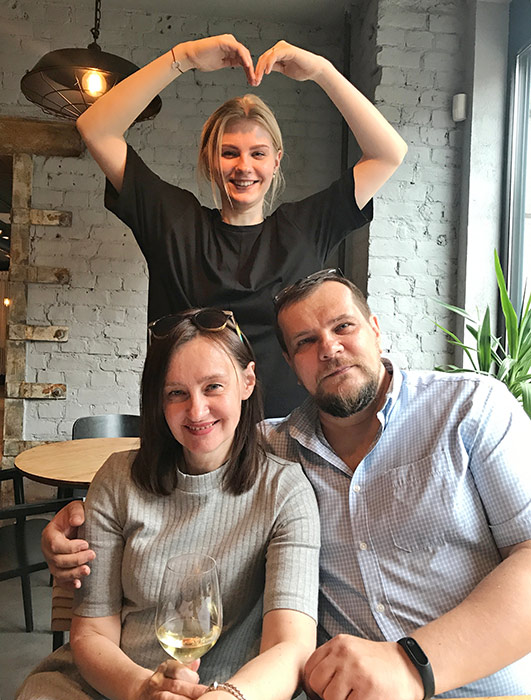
pixel 109 425
pixel 20 542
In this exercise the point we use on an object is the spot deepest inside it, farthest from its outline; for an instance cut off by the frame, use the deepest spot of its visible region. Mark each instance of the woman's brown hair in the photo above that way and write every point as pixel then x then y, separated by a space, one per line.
pixel 155 466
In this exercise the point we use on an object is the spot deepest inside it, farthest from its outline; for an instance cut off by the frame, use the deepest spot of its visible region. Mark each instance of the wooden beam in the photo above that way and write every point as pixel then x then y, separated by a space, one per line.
pixel 19 331
pixel 50 217
pixel 35 390
pixel 40 138
pixel 39 274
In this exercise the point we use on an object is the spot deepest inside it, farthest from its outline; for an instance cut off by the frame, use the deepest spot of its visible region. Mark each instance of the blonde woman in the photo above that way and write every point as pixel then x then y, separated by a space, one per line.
pixel 237 256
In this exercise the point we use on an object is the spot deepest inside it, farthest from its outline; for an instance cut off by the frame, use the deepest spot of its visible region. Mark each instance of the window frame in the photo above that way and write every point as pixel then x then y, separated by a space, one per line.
pixel 519 170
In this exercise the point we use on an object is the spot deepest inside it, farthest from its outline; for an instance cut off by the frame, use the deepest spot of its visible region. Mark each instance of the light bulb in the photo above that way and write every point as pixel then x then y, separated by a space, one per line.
pixel 93 83
pixel 7 301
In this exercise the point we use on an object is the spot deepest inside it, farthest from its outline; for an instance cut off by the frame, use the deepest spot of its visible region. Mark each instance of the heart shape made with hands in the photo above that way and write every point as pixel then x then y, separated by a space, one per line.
pixel 213 53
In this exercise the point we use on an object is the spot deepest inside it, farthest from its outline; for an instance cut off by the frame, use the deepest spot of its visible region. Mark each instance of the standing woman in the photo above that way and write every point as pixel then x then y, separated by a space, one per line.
pixel 236 257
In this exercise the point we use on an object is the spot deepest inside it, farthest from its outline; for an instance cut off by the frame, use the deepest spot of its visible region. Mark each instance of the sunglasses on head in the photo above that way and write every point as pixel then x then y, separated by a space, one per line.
pixel 330 273
pixel 213 320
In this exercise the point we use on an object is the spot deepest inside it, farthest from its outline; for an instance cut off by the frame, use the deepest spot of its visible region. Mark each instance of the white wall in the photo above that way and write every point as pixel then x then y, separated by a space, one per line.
pixel 413 242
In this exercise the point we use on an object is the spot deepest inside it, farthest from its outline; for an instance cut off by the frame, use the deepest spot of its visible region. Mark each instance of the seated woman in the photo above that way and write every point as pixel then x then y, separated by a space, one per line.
pixel 202 482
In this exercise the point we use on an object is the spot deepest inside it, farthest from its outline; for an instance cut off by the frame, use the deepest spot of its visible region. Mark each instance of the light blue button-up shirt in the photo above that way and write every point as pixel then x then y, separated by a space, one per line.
pixel 419 523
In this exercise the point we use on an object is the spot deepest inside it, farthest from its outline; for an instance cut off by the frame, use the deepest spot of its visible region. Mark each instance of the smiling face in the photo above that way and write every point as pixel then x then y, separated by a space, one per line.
pixel 203 392
pixel 334 349
pixel 247 166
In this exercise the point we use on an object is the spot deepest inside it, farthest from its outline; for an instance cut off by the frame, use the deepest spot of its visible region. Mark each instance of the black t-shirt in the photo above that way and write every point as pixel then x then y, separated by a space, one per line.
pixel 195 259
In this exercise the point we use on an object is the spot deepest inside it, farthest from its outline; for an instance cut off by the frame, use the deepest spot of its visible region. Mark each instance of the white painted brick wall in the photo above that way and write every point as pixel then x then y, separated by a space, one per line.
pixel 413 246
pixel 105 303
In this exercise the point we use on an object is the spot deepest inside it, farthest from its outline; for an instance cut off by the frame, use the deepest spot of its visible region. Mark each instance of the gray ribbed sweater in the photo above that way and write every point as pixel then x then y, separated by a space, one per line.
pixel 270 532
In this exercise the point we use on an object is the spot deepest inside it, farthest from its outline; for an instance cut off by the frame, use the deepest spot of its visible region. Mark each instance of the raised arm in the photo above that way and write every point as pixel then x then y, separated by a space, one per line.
pixel 103 125
pixel 382 148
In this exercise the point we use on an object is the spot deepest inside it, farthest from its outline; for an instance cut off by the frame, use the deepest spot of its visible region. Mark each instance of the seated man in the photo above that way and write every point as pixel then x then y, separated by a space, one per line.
pixel 424 492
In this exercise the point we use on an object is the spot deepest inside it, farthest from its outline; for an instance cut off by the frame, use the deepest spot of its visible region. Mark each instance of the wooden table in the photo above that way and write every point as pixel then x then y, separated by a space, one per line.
pixel 71 464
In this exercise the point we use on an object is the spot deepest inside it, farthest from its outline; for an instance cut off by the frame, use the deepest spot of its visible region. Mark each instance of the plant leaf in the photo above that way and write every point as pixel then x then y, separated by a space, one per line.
pixel 484 343
pixel 510 363
pixel 511 319
pixel 526 397
pixel 454 340
pixel 456 310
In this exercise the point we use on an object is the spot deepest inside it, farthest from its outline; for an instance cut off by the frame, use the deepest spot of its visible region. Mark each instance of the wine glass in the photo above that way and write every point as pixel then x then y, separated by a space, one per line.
pixel 189 615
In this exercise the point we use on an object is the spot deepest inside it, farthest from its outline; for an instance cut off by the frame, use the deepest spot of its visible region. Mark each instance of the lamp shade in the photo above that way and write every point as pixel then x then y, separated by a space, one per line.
pixel 60 83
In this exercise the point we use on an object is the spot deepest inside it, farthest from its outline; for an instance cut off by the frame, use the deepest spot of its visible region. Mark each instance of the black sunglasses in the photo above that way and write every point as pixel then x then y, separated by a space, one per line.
pixel 331 273
pixel 213 320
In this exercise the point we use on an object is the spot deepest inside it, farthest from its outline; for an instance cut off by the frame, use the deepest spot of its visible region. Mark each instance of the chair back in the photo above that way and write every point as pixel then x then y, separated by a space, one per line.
pixel 108 425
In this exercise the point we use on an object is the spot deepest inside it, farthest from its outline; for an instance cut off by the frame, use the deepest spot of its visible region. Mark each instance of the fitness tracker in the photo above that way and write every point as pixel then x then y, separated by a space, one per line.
pixel 420 661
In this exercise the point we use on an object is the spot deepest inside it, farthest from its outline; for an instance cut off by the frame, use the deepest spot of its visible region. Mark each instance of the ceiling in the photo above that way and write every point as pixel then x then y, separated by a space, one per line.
pixel 313 12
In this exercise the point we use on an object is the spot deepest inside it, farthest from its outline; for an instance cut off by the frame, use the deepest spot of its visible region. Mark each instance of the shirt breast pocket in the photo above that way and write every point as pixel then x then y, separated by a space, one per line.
pixel 425 499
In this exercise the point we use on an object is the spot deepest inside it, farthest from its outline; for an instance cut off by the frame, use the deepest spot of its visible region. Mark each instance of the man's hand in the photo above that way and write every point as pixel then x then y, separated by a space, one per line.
pixel 66 556
pixel 348 666
pixel 173 680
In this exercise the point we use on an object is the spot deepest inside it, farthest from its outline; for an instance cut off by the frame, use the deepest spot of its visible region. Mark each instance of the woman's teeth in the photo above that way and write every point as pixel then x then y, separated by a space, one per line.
pixel 243 183
pixel 200 427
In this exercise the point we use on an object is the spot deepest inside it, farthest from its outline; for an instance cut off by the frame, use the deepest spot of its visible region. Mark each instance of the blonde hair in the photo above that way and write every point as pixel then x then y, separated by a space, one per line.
pixel 248 107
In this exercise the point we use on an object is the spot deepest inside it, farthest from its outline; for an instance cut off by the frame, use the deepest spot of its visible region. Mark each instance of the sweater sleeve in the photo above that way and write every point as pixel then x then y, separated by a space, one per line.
pixel 292 559
pixel 101 593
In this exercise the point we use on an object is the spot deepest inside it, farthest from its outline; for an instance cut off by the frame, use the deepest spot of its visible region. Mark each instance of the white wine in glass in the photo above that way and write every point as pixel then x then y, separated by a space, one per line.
pixel 189 614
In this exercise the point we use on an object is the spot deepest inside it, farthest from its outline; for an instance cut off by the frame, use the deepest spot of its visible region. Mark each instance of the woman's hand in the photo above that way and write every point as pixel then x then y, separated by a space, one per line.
pixel 215 52
pixel 173 678
pixel 290 60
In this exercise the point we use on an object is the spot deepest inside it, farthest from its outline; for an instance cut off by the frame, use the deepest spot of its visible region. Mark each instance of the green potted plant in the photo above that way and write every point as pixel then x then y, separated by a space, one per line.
pixel 511 362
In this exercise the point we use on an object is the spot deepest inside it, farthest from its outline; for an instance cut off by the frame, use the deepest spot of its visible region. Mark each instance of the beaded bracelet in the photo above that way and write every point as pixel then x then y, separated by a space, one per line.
pixel 228 687
pixel 175 63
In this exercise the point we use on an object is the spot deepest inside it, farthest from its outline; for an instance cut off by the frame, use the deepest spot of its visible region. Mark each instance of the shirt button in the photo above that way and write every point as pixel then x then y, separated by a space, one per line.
pixel 363 545
pixel 380 608
pixel 357 488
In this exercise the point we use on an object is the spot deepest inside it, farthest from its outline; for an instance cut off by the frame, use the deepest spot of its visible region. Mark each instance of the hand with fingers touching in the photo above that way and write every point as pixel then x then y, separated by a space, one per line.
pixel 354 668
pixel 216 52
pixel 66 556
pixel 292 61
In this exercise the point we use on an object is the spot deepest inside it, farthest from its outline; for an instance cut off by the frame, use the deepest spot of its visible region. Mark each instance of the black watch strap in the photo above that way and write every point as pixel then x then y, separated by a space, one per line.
pixel 420 661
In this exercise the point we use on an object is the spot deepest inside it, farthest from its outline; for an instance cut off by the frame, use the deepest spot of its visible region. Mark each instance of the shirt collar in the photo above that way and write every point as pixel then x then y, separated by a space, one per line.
pixel 304 425
pixel 393 390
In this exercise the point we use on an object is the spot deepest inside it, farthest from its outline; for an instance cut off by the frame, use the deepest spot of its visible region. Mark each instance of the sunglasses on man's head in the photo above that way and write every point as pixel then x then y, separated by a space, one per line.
pixel 213 320
pixel 331 273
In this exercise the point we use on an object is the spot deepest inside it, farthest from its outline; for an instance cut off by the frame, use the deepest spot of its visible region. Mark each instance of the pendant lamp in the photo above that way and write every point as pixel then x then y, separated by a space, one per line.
pixel 67 81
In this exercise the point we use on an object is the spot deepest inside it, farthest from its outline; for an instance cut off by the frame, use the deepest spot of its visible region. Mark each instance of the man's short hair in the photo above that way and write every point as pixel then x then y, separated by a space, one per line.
pixel 306 286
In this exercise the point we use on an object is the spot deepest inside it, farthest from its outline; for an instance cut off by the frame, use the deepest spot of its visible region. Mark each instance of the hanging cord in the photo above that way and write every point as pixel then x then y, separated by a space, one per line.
pixel 95 31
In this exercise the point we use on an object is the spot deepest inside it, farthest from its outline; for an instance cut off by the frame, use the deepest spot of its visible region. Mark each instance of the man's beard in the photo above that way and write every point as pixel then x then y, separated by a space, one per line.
pixel 344 405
